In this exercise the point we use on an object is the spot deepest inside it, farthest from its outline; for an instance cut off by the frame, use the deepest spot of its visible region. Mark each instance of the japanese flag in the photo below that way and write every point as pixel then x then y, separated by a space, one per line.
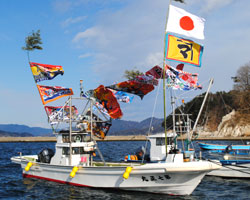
pixel 184 23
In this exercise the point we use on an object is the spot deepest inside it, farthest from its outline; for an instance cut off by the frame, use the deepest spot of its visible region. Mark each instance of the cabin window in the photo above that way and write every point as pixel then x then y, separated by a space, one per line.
pixel 77 150
pixel 160 141
pixel 65 138
pixel 65 151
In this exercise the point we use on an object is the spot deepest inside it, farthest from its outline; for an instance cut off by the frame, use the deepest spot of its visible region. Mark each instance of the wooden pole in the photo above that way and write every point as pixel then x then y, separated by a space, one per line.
pixel 164 84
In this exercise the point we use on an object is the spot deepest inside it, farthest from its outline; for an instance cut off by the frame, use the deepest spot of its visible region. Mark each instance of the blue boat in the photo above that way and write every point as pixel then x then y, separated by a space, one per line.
pixel 206 146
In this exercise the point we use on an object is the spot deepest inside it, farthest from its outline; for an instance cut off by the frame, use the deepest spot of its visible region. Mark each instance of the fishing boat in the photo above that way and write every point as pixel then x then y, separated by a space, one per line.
pixel 73 164
pixel 207 146
pixel 169 170
pixel 235 164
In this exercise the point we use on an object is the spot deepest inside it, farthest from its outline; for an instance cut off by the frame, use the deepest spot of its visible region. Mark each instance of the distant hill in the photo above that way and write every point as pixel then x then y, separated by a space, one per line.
pixel 119 127
pixel 14 134
pixel 216 106
pixel 19 129
pixel 123 127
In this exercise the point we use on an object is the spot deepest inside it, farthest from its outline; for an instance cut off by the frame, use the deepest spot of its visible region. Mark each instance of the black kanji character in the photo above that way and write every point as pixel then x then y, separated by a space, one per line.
pixel 167 177
pixel 152 178
pixel 187 47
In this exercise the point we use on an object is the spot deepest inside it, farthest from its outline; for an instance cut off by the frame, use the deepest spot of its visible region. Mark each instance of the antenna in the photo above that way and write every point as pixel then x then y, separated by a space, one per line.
pixel 81 88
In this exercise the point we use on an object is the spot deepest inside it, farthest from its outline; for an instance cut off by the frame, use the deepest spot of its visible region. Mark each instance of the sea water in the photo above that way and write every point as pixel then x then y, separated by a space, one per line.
pixel 14 186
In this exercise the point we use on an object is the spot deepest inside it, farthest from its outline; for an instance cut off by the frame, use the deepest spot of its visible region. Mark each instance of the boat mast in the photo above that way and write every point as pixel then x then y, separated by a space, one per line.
pixel 203 103
pixel 164 84
pixel 91 129
pixel 173 112
pixel 70 130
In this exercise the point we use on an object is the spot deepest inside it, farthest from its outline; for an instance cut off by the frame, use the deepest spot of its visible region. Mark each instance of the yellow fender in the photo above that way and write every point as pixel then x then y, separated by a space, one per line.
pixel 28 166
pixel 73 172
pixel 127 172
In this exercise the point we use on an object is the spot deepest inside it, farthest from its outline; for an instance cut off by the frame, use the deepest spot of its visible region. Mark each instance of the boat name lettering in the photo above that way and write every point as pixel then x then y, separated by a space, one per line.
pixel 155 178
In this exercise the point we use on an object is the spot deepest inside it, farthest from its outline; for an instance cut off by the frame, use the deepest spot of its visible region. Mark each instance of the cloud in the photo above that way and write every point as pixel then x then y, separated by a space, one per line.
pixel 88 34
pixel 85 55
pixel 71 21
pixel 62 6
pixel 154 59
pixel 95 38
pixel 210 5
pixel 125 38
pixel 128 38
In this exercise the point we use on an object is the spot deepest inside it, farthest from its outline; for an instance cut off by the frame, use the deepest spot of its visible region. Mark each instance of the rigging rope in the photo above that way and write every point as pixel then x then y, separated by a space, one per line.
pixel 151 121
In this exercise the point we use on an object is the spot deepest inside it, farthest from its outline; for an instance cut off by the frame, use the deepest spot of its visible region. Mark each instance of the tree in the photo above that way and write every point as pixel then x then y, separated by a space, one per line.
pixel 131 74
pixel 33 42
pixel 242 78
pixel 242 88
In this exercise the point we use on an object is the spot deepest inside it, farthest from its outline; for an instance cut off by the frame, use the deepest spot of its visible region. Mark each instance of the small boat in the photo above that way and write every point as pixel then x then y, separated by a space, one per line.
pixel 206 146
pixel 234 165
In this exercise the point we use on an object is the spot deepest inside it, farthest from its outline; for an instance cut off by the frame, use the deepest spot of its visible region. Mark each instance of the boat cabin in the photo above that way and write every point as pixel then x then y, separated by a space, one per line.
pixel 81 149
pixel 158 147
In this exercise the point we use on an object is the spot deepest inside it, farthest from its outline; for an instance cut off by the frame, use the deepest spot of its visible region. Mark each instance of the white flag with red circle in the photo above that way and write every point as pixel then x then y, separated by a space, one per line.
pixel 184 23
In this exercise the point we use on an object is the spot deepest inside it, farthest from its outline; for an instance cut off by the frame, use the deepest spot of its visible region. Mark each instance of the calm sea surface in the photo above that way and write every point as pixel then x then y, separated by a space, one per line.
pixel 14 186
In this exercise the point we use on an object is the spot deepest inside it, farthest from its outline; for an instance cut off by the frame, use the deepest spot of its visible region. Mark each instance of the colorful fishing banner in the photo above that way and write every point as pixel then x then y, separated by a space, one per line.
pixel 100 129
pixel 133 87
pixel 123 96
pixel 156 72
pixel 178 79
pixel 183 50
pixel 60 113
pixel 147 79
pixel 101 108
pixel 106 97
pixel 43 72
pixel 52 93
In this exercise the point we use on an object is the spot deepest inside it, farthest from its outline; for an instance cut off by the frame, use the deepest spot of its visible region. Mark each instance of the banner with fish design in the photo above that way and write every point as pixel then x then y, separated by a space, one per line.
pixel 156 72
pixel 106 97
pixel 178 79
pixel 123 96
pixel 147 79
pixel 44 71
pixel 101 108
pixel 133 87
pixel 60 113
pixel 52 93
pixel 101 129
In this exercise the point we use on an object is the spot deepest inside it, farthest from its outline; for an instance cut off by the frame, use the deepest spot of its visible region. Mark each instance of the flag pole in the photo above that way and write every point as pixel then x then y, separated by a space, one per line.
pixel 164 84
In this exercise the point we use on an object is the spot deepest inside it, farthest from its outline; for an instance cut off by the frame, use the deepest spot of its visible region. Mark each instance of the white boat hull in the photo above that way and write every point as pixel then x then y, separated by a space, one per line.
pixel 165 178
pixel 232 171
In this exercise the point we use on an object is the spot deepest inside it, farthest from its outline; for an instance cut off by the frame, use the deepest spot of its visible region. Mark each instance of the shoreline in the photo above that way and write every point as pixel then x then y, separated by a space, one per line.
pixel 109 138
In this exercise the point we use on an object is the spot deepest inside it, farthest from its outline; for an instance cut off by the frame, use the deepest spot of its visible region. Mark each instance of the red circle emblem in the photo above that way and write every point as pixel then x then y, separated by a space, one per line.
pixel 186 23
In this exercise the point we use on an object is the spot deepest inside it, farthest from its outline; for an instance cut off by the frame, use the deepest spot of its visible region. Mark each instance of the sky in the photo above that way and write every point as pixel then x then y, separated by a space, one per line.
pixel 96 41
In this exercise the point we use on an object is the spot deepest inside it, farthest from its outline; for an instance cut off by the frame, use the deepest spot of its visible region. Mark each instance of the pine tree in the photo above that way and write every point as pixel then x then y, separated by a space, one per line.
pixel 33 42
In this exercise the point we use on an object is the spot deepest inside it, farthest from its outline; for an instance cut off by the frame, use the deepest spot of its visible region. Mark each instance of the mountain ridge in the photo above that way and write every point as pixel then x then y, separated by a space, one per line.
pixel 119 127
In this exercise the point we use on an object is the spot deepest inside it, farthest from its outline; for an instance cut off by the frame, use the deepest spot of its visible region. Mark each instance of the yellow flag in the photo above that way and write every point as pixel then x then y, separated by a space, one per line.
pixel 183 50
